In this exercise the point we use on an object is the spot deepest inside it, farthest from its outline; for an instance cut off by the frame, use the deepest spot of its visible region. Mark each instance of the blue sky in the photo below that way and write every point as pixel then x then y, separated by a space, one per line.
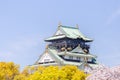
pixel 24 24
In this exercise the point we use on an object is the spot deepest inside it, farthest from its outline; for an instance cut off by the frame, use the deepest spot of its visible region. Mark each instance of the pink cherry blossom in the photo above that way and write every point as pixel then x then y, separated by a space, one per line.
pixel 105 73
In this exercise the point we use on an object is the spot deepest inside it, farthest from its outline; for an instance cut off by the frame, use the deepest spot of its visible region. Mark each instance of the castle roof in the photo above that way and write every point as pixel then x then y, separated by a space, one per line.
pixel 78 49
pixel 55 56
pixel 68 32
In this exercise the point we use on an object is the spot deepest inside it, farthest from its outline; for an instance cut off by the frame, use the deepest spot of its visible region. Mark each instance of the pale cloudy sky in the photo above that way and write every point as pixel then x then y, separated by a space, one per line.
pixel 24 24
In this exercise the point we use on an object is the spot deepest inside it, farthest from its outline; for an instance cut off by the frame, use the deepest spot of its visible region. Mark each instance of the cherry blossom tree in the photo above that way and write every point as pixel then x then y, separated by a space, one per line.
pixel 105 73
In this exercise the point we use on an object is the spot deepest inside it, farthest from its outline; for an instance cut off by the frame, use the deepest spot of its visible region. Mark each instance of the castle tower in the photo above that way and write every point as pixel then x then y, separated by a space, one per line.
pixel 68 46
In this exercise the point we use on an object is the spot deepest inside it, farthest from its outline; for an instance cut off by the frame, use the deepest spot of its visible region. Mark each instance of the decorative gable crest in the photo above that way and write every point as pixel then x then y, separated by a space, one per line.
pixel 46 58
pixel 58 33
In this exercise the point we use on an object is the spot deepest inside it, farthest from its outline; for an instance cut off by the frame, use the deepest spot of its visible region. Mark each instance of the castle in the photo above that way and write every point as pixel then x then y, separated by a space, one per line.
pixel 68 46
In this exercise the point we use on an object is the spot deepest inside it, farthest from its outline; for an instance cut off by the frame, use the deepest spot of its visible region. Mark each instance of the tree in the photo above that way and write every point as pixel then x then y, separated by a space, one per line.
pixel 79 75
pixel 57 73
pixel 69 70
pixel 20 77
pixel 8 70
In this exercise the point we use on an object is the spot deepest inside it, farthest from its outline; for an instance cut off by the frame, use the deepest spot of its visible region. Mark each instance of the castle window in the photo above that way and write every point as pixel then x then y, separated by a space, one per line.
pixel 70 57
pixel 46 60
pixel 82 59
pixel 78 58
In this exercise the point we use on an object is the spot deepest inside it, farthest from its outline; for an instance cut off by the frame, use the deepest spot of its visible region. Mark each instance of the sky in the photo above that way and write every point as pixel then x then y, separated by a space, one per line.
pixel 24 24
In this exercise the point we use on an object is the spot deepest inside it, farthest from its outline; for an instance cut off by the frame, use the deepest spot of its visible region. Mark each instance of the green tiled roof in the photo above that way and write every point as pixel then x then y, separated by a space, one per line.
pixel 55 37
pixel 58 60
pixel 72 63
pixel 69 32
pixel 77 54
pixel 54 54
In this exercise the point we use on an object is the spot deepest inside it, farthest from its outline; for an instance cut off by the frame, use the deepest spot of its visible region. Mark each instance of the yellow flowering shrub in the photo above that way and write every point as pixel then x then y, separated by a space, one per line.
pixel 8 70
pixel 57 73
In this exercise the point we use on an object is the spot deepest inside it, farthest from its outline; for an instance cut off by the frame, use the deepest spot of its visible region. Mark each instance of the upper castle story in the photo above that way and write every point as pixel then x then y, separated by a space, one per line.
pixel 68 38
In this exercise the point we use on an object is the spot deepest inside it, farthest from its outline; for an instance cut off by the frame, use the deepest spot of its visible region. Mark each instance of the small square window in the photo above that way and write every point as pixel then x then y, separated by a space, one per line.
pixel 78 58
pixel 70 57
pixel 46 60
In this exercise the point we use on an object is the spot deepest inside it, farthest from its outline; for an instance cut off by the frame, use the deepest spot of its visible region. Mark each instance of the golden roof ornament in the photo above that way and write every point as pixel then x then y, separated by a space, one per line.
pixel 47 46
pixel 46 50
pixel 85 50
pixel 63 49
pixel 69 48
